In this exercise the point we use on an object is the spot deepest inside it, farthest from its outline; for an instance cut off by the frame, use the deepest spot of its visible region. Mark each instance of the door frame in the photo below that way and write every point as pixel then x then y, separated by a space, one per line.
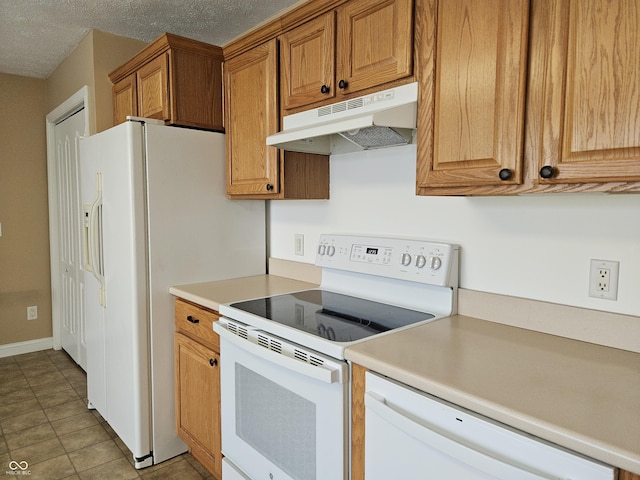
pixel 73 104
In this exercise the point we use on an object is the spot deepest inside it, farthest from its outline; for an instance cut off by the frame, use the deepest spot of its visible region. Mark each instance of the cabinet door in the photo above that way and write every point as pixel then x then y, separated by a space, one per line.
pixel 153 88
pixel 375 43
pixel 591 130
pixel 471 119
pixel 251 114
pixel 307 62
pixel 125 99
pixel 197 379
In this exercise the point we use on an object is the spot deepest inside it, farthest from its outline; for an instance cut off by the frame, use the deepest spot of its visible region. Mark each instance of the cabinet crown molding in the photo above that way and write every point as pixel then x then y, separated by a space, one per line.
pixel 164 43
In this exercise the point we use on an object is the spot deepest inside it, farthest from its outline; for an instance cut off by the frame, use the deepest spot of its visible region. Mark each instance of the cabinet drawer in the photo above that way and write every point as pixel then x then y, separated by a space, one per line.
pixel 197 323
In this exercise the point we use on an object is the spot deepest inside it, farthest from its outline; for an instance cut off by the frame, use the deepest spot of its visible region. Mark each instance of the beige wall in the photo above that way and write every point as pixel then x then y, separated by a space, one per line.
pixel 97 54
pixel 24 104
pixel 24 245
pixel 109 52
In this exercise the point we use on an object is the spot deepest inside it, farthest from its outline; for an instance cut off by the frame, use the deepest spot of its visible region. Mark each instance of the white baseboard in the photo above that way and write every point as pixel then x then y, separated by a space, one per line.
pixel 29 346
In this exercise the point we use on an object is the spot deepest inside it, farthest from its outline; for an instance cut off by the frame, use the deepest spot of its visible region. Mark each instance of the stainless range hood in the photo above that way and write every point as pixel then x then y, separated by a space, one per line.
pixel 382 119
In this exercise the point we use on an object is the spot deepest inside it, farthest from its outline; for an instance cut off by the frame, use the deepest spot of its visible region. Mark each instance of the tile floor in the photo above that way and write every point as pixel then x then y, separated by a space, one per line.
pixel 46 427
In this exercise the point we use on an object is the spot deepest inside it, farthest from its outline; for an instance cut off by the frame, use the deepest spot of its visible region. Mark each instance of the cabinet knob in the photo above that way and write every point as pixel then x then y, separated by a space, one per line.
pixel 342 84
pixel 192 319
pixel 547 171
pixel 269 187
pixel 213 362
pixel 505 174
pixel 324 89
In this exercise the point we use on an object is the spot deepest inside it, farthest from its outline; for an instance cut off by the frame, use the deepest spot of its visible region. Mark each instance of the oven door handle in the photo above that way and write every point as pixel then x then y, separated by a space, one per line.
pixel 323 373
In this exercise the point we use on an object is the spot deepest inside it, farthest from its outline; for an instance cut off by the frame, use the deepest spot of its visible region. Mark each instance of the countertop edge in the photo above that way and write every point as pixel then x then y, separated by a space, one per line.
pixel 591 447
pixel 215 293
pixel 197 299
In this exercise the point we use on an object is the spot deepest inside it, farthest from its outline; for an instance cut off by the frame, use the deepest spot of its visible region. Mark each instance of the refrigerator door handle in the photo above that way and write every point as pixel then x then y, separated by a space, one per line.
pixel 95 240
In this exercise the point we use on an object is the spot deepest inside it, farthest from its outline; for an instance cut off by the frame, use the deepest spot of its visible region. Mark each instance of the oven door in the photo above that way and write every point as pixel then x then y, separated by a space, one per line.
pixel 283 418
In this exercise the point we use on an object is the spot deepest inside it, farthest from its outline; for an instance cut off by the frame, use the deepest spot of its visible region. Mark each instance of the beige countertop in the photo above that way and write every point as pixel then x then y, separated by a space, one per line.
pixel 212 294
pixel 582 396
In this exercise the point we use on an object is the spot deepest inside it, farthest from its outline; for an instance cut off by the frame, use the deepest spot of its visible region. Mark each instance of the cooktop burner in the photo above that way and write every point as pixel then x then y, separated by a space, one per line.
pixel 334 316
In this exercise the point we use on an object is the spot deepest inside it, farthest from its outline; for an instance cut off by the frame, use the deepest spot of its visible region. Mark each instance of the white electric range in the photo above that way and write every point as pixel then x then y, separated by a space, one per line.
pixel 284 380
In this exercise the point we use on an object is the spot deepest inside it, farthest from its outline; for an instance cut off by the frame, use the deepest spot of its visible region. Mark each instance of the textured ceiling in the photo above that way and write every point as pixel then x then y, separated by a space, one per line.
pixel 36 35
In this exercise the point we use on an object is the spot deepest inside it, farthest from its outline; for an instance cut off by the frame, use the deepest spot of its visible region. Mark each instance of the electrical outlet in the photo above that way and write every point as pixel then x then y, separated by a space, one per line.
pixel 603 276
pixel 32 313
pixel 299 244
pixel 603 279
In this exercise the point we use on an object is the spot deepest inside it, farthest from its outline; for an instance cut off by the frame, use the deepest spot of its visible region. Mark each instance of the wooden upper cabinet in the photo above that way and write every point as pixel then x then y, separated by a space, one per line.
pixel 307 66
pixel 252 113
pixel 360 45
pixel 125 99
pixel 174 79
pixel 375 42
pixel 591 130
pixel 582 105
pixel 472 93
pixel 152 80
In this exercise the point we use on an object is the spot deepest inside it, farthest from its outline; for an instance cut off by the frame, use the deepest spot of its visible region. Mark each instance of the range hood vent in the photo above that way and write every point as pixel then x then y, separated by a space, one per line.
pixel 382 119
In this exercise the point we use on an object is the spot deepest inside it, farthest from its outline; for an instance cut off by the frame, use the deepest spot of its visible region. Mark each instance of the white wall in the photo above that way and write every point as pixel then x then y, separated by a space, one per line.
pixel 534 246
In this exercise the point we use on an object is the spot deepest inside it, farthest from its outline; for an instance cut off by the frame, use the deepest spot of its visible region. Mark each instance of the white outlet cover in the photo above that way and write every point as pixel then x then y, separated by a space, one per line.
pixel 613 267
pixel 32 313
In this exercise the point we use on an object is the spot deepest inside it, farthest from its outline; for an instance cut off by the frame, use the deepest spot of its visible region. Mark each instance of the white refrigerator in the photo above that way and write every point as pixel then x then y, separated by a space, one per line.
pixel 154 215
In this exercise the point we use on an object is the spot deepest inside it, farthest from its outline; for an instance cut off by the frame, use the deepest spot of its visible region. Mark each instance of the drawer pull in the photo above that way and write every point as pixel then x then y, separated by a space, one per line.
pixel 213 362
pixel 192 319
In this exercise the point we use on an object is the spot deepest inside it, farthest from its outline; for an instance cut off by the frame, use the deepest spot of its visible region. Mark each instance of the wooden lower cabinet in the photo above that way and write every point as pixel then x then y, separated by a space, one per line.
pixel 622 475
pixel 357 421
pixel 197 385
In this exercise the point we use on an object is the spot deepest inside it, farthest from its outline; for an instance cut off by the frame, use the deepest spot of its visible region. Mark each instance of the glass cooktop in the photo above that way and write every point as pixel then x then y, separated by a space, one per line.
pixel 334 316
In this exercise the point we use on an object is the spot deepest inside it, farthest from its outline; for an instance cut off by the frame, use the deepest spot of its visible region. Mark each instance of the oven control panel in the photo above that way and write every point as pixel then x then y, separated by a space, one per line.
pixel 403 258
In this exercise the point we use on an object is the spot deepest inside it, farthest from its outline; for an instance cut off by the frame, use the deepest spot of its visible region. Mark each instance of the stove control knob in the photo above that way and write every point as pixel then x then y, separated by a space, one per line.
pixel 406 259
pixel 421 261
pixel 331 250
pixel 322 249
pixel 435 263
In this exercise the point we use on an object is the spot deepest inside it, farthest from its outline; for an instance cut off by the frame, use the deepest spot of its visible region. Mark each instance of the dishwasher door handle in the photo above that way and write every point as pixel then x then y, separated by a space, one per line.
pixel 429 435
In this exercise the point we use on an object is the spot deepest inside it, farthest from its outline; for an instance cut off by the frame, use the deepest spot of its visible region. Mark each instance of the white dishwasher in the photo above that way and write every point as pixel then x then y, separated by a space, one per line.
pixel 412 435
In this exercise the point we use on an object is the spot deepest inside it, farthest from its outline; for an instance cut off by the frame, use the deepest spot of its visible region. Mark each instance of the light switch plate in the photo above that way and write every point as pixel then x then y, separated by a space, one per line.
pixel 299 244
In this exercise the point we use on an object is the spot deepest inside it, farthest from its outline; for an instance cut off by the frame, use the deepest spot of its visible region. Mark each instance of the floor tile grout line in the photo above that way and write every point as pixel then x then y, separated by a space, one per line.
pixel 59 367
pixel 50 422
pixel 66 453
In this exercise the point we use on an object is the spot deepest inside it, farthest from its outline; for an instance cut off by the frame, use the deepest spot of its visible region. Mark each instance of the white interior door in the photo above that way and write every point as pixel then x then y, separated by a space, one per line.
pixel 69 279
